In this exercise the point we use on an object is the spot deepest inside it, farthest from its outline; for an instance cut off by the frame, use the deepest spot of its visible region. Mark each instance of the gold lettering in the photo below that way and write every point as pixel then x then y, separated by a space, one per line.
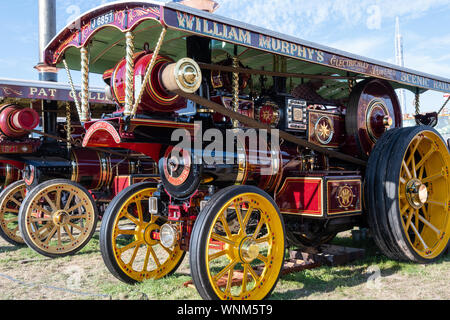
pixel 216 30
pixel 294 48
pixel 42 92
pixel 276 44
pixel 33 91
pixel 52 92
pixel 233 34
pixel 206 27
pixel 284 47
pixel 320 57
pixel 310 53
pixel 245 36
pixel 264 42
pixel 302 51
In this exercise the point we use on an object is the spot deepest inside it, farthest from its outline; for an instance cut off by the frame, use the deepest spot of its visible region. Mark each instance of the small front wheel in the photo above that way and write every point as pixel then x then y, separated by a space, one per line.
pixel 238 245
pixel 129 238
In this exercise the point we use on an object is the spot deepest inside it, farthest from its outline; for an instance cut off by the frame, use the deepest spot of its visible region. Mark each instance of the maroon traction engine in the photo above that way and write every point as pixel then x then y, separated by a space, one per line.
pixel 56 217
pixel 186 83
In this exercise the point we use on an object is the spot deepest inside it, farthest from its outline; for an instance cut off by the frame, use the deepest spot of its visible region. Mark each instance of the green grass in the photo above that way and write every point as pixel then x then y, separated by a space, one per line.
pixel 342 282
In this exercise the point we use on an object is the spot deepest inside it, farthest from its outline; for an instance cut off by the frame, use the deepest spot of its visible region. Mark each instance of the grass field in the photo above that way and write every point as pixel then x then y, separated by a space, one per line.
pixel 26 275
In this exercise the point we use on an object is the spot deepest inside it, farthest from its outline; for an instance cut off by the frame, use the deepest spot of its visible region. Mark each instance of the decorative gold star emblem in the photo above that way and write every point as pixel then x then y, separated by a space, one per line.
pixel 324 130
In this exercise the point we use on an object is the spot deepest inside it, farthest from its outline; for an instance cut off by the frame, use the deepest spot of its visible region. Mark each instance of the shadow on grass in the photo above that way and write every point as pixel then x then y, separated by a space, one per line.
pixel 328 279
pixel 11 248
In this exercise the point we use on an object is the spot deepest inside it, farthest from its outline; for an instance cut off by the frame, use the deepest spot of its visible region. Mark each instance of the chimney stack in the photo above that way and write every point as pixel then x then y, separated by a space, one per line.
pixel 47 30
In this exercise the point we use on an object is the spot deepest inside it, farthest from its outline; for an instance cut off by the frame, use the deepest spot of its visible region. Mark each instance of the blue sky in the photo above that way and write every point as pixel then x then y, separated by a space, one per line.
pixel 364 27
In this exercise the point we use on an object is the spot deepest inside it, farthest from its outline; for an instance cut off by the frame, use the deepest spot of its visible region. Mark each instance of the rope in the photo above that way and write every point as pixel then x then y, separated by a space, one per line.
pixel 72 87
pixel 149 70
pixel 85 116
pixel 445 104
pixel 129 93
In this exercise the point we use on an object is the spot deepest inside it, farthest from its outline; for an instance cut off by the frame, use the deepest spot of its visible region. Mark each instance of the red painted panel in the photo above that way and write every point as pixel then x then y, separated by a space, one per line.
pixel 301 196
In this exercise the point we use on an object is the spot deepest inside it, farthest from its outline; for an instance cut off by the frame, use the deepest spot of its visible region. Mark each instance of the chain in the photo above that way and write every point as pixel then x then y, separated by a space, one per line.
pixel 68 127
pixel 129 96
pixel 235 90
pixel 149 70
pixel 74 92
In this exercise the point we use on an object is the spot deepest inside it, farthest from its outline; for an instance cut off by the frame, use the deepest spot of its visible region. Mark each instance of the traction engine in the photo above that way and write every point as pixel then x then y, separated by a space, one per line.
pixel 52 188
pixel 247 168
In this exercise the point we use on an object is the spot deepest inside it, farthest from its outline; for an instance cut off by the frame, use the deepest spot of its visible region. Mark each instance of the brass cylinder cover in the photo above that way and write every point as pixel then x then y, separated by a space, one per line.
pixel 185 75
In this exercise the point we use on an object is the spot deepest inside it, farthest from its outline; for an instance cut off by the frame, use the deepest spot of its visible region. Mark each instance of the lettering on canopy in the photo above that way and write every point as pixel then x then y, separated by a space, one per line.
pixel 235 34
pixel 43 93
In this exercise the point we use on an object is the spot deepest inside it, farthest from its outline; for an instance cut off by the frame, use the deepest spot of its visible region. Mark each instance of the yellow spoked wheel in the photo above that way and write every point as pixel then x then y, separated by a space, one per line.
pixel 11 199
pixel 238 245
pixel 58 218
pixel 129 238
pixel 408 194
pixel 424 194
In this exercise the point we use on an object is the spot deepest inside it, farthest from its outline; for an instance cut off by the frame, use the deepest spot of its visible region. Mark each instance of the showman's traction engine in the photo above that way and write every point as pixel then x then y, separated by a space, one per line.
pixel 261 142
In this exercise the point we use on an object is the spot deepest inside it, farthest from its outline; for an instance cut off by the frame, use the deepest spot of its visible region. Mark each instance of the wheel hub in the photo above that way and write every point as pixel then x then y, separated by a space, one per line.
pixel 248 250
pixel 147 234
pixel 416 193
pixel 61 218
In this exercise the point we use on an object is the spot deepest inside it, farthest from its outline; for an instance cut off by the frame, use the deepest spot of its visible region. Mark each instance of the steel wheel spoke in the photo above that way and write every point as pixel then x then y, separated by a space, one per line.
pixel 51 234
pixel 406 169
pixel 216 237
pixel 66 228
pixel 419 237
pixel 247 217
pixel 239 216
pixel 50 202
pixel 216 255
pixel 258 228
pixel 155 258
pixel 129 246
pixel 69 201
pixel 225 225
pixel 146 260
pixel 75 207
pixel 263 239
pixel 224 270
pixel 432 178
pixel 126 232
pixel 425 158
pixel 428 224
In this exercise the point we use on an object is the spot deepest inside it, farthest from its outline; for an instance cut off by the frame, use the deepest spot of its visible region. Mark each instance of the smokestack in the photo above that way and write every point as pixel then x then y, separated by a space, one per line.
pixel 47 30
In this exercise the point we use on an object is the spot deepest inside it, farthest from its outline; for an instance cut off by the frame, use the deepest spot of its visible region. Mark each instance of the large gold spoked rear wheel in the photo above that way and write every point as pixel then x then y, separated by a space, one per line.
pixel 238 245
pixel 58 218
pixel 414 193
pixel 129 238
pixel 10 201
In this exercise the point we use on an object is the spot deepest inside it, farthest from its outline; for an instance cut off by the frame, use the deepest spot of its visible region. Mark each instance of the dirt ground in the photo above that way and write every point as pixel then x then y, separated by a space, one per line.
pixel 25 275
